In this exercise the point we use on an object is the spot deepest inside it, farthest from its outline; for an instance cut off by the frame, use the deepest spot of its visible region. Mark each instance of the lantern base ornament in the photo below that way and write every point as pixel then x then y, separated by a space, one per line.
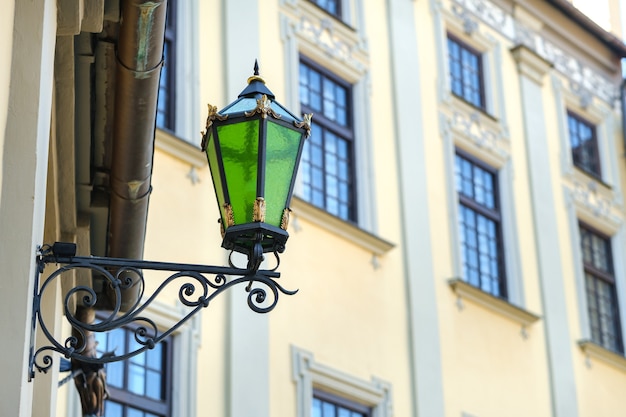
pixel 109 278
pixel 255 239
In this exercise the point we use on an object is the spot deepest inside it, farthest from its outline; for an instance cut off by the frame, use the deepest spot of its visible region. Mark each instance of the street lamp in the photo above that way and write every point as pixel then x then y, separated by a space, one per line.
pixel 253 147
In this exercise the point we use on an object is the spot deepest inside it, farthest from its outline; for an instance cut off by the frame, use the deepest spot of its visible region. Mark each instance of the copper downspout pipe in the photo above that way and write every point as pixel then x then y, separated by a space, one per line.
pixel 139 61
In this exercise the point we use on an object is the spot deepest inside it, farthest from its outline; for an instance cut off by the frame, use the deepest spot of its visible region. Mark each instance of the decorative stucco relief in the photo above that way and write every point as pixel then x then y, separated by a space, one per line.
pixel 339 42
pixel 588 196
pixel 468 126
pixel 487 12
pixel 582 78
pixel 321 33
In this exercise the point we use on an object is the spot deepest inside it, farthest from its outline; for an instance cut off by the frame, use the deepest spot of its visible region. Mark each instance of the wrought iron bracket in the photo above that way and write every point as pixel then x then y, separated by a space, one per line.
pixel 197 286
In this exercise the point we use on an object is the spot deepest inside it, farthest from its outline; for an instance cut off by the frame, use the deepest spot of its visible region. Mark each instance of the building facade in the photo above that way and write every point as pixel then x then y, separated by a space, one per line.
pixel 457 235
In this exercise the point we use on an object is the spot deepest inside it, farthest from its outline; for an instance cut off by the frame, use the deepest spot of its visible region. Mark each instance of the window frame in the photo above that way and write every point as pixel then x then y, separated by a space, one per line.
pixel 575 151
pixel 480 71
pixel 338 14
pixel 310 375
pixel 169 81
pixel 339 401
pixel 494 215
pixel 124 397
pixel 607 277
pixel 346 133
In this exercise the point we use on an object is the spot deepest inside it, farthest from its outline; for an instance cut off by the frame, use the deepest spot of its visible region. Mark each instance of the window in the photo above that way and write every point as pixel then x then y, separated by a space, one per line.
pixel 331 6
pixel 480 226
pixel 327 167
pixel 329 405
pixel 601 293
pixel 466 72
pixel 166 102
pixel 584 144
pixel 141 385
pixel 352 397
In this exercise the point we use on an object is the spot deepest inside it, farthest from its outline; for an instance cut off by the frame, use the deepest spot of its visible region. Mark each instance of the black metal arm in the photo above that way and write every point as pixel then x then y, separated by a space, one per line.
pixel 195 292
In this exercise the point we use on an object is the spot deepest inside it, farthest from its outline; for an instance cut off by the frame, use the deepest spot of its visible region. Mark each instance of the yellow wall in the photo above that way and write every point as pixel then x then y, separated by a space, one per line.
pixel 356 311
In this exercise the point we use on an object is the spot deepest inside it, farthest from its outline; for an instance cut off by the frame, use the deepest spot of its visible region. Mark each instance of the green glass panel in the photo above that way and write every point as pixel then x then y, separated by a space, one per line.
pixel 239 143
pixel 215 174
pixel 282 150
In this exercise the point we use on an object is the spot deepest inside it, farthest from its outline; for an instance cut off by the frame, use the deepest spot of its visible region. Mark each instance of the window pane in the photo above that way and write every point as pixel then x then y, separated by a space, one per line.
pixel 142 375
pixel 344 412
pixel 331 6
pixel 154 385
pixel 326 165
pixel 584 144
pixel 327 405
pixel 317 408
pixel 136 379
pixel 601 292
pixel 165 103
pixel 112 409
pixel 328 409
pixel 133 412
pixel 479 227
pixel 155 356
pixel 466 77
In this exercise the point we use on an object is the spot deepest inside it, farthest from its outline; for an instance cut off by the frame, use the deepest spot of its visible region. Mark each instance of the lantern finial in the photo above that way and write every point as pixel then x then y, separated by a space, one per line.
pixel 256 76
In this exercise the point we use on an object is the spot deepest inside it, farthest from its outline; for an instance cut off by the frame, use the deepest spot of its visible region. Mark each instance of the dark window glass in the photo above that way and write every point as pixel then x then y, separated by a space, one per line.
pixel 330 405
pixel 479 226
pixel 331 6
pixel 327 159
pixel 601 293
pixel 584 143
pixel 139 386
pixel 166 102
pixel 466 72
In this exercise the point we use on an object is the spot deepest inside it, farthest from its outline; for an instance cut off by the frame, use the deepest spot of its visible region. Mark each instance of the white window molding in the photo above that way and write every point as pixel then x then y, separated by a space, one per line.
pixel 525 28
pixel 608 357
pixel 185 343
pixel 495 153
pixel 471 32
pixel 500 306
pixel 308 31
pixel 615 229
pixel 600 114
pixel 352 11
pixel 183 150
pixel 304 210
pixel 187 95
pixel 309 374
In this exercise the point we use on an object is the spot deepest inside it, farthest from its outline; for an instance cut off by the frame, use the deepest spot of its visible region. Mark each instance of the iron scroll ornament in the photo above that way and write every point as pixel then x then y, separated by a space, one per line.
pixel 196 291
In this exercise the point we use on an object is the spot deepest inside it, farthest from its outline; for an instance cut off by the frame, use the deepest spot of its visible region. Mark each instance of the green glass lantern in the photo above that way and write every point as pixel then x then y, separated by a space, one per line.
pixel 254 146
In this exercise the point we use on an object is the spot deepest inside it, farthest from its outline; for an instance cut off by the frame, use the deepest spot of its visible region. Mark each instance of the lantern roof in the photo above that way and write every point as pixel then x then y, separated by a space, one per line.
pixel 249 98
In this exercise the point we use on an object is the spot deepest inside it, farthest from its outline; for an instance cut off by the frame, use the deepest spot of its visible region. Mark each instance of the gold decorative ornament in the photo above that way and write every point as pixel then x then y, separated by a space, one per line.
pixel 305 124
pixel 263 107
pixel 284 222
pixel 213 115
pixel 258 212
pixel 230 218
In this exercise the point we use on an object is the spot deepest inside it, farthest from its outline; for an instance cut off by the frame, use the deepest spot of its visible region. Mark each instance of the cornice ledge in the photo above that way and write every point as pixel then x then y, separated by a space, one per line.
pixel 498 305
pixel 603 354
pixel 335 225
pixel 179 148
pixel 530 64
